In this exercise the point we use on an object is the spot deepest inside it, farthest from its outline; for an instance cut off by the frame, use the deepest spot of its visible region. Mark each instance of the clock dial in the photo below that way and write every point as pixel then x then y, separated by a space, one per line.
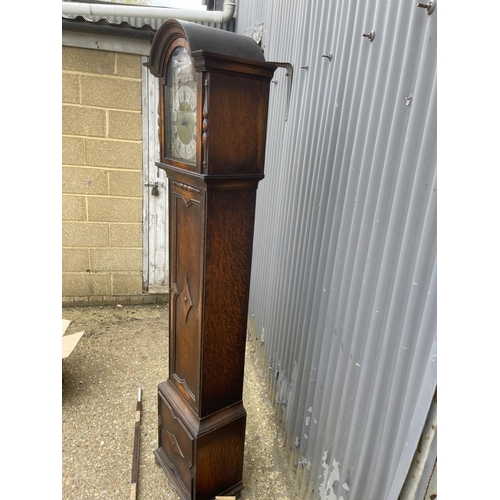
pixel 181 103
pixel 184 122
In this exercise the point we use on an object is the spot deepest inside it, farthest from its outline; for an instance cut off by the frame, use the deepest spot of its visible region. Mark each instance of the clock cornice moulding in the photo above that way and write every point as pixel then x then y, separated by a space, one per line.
pixel 218 43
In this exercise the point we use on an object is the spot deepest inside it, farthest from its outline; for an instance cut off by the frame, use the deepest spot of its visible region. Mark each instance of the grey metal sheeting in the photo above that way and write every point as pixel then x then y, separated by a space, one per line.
pixel 343 290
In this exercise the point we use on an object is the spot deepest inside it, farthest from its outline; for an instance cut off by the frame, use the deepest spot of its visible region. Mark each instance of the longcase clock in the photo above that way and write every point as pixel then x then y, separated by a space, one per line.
pixel 214 90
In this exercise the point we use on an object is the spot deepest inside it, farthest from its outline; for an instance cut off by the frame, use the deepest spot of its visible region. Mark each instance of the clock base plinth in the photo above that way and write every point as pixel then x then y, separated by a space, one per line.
pixel 203 458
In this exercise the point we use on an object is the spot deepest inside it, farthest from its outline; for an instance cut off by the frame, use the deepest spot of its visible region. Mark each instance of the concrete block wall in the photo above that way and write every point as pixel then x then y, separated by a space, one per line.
pixel 101 178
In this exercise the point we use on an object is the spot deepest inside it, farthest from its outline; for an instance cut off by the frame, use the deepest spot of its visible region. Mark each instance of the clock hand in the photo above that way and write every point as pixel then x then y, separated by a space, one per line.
pixel 183 118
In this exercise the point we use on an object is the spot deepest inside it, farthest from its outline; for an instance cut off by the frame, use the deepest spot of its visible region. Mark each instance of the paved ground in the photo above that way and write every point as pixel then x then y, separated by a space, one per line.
pixel 124 348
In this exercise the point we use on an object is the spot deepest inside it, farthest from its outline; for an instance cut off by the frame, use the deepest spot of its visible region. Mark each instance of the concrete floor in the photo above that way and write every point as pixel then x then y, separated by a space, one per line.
pixel 124 348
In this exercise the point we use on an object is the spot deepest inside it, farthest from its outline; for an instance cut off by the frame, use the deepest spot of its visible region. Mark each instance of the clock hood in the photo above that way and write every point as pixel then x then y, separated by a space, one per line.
pixel 201 38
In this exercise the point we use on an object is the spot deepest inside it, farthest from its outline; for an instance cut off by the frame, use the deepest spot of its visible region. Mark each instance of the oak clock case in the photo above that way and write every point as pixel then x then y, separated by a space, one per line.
pixel 214 91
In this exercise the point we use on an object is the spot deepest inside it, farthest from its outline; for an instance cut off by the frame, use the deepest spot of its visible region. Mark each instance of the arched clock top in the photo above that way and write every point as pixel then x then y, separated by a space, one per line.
pixel 202 41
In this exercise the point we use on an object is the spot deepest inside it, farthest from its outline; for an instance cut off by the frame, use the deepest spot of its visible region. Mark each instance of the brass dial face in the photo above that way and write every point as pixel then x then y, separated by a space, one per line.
pixel 184 122
pixel 180 107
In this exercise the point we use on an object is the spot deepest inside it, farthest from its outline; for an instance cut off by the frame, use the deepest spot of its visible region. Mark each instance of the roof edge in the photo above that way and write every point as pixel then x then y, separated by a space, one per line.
pixel 81 25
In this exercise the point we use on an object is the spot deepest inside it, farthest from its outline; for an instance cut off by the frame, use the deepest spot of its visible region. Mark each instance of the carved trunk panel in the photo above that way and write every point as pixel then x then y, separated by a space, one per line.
pixel 186 233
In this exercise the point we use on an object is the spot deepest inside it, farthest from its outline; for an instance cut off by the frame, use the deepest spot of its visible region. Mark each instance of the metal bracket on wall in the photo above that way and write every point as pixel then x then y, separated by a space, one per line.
pixel 159 183
pixel 289 74
pixel 370 35
pixel 429 7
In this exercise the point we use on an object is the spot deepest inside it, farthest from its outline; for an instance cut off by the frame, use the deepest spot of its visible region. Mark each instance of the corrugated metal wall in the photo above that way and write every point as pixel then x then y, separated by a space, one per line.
pixel 343 291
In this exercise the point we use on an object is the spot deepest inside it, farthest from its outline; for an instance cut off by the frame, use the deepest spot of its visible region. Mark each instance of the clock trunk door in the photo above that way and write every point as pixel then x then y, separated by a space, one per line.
pixel 186 270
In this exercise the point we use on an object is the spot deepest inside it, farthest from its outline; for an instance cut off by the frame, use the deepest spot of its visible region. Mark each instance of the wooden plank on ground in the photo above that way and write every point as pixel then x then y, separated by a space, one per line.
pixel 65 324
pixel 69 343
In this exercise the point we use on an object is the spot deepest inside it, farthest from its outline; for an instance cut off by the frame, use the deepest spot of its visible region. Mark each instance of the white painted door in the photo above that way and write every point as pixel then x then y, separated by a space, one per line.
pixel 155 194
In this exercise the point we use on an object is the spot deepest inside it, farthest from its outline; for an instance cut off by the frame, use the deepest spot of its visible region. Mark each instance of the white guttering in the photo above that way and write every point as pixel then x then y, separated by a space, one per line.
pixel 127 10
